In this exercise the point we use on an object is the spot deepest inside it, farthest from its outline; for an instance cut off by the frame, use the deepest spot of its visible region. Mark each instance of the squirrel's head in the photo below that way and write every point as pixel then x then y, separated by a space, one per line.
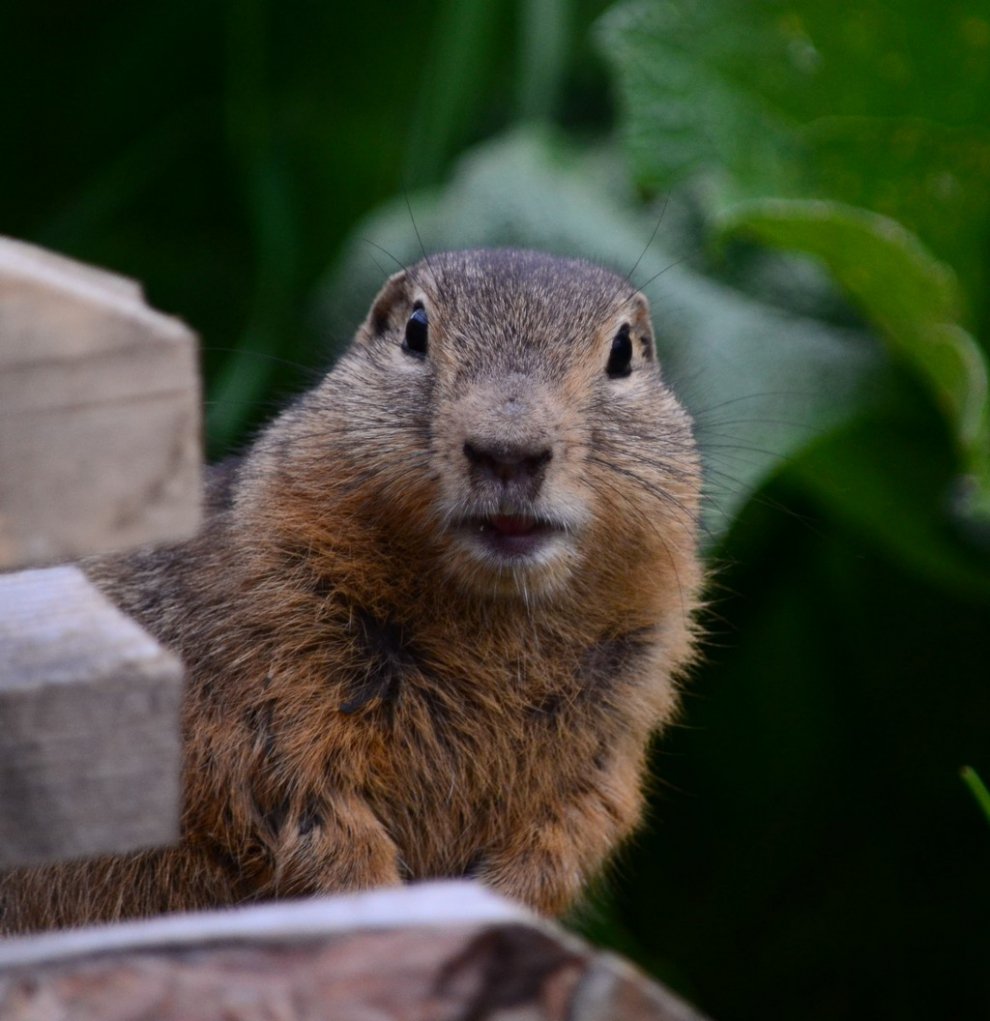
pixel 505 409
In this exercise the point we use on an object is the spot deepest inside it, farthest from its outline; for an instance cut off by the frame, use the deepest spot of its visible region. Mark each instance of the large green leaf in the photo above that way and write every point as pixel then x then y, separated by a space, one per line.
pixel 762 383
pixel 699 78
pixel 862 101
pixel 764 102
pixel 912 299
pixel 686 85
pixel 930 177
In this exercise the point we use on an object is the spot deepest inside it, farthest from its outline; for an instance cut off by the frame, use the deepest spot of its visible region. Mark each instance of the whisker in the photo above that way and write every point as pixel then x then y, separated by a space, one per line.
pixel 385 251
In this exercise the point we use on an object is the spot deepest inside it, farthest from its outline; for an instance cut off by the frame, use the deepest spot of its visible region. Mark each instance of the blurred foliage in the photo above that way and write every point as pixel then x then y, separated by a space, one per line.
pixel 815 178
pixel 911 299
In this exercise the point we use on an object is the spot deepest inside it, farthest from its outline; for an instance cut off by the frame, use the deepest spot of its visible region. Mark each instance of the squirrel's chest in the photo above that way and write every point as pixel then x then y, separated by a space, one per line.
pixel 491 710
pixel 459 754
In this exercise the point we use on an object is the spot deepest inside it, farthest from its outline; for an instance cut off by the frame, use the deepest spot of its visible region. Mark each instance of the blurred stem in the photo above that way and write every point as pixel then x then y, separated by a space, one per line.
pixel 972 780
pixel 265 193
pixel 451 88
pixel 543 43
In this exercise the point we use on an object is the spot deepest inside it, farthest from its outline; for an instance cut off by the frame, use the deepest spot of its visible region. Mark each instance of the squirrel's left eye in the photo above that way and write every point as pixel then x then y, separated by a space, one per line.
pixel 620 357
pixel 417 332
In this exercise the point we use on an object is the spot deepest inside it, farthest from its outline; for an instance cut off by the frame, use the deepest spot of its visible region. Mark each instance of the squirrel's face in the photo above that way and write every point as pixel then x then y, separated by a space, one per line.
pixel 527 422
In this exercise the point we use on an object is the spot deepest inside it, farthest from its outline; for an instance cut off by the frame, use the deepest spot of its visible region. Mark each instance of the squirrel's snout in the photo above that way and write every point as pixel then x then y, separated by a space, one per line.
pixel 504 443
pixel 507 463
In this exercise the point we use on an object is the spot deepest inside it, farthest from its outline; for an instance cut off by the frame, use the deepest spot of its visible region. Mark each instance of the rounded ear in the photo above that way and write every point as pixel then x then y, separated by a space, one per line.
pixel 382 316
pixel 641 325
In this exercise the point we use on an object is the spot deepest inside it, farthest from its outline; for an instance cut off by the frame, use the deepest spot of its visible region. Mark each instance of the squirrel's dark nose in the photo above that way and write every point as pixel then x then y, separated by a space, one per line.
pixel 507 463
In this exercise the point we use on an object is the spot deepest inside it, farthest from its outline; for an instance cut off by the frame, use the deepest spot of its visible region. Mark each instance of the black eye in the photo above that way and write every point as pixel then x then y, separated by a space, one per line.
pixel 417 332
pixel 620 357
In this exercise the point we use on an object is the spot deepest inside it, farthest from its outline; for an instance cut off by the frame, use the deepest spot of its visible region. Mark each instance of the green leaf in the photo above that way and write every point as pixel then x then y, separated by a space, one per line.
pixel 930 177
pixel 910 297
pixel 685 81
pixel 699 79
pixel 762 383
pixel 860 101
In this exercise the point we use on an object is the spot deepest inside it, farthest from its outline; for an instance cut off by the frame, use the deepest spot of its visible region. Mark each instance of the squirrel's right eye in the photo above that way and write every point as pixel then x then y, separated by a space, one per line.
pixel 417 332
pixel 620 357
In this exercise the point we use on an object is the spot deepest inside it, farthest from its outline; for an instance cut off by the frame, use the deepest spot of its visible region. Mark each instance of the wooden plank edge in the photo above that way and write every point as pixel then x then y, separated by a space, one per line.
pixel 29 261
pixel 432 904
pixel 97 288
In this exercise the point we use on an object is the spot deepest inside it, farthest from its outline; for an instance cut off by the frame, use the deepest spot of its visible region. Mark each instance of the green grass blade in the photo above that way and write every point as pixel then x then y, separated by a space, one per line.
pixel 972 780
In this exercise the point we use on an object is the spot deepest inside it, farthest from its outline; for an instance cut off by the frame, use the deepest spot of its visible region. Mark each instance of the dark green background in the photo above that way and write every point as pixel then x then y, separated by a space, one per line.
pixel 812 851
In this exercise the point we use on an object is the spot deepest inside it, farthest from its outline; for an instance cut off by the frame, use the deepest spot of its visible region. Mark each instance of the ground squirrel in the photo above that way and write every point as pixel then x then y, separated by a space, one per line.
pixel 436 613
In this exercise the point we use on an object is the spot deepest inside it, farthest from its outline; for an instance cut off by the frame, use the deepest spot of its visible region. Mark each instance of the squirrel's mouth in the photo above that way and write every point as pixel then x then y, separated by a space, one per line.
pixel 512 536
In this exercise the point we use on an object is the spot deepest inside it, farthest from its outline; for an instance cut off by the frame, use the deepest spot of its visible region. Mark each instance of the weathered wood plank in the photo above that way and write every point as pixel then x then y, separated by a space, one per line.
pixel 431 952
pixel 99 413
pixel 89 731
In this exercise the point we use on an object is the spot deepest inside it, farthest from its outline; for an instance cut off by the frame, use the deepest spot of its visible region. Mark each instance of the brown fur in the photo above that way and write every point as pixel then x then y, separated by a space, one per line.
pixel 370 699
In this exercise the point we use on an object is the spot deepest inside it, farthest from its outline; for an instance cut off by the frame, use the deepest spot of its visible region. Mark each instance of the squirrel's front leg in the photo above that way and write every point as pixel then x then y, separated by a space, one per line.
pixel 328 845
pixel 548 863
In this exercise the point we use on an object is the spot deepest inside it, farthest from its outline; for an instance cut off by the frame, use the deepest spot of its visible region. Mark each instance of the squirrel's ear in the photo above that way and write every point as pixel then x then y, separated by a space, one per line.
pixel 642 325
pixel 383 315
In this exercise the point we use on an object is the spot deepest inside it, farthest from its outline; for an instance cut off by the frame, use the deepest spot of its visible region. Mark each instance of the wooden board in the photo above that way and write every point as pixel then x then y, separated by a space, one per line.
pixel 89 723
pixel 99 413
pixel 432 952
